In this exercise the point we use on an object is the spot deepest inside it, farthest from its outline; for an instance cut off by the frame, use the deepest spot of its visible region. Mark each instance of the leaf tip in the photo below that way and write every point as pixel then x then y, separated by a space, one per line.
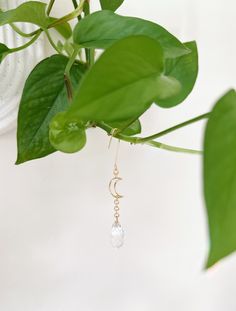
pixel 19 160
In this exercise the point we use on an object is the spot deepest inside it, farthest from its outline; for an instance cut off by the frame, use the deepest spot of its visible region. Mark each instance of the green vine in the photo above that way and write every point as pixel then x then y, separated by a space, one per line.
pixel 20 48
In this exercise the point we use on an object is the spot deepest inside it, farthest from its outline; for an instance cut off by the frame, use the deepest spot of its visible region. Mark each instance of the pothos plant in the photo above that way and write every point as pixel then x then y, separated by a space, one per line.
pixel 142 64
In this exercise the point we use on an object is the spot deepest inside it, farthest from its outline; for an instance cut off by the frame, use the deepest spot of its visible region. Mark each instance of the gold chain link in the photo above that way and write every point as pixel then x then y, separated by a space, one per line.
pixel 114 181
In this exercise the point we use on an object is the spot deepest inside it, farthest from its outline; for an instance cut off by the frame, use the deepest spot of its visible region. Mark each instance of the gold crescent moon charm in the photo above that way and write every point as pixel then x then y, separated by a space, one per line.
pixel 112 187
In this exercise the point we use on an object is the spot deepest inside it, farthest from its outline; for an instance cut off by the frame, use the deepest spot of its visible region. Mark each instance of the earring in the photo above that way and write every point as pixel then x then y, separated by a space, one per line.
pixel 117 232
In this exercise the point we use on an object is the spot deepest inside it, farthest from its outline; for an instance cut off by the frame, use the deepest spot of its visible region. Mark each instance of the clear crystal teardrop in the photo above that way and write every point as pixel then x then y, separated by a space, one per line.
pixel 117 235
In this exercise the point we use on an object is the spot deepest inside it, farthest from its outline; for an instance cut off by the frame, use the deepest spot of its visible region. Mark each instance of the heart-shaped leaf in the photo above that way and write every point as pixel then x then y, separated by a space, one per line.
pixel 124 82
pixel 33 12
pixel 220 177
pixel 112 5
pixel 43 97
pixel 28 12
pixel 101 29
pixel 67 136
pixel 185 70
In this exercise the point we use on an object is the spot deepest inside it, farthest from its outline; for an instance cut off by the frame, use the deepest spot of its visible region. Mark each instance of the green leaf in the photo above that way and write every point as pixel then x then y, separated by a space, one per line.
pixel 185 70
pixel 67 135
pixel 220 177
pixel 33 12
pixel 128 128
pixel 124 82
pixel 43 97
pixel 28 12
pixel 101 29
pixel 63 29
pixel 112 5
pixel 4 50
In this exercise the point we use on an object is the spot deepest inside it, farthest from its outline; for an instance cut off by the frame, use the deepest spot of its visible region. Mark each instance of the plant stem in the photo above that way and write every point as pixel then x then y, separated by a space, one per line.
pixel 149 140
pixel 69 16
pixel 86 7
pixel 50 5
pixel 67 74
pixel 68 87
pixel 21 33
pixel 90 56
pixel 174 128
pixel 22 47
pixel 172 148
pixel 89 53
pixel 75 4
pixel 52 42
pixel 71 60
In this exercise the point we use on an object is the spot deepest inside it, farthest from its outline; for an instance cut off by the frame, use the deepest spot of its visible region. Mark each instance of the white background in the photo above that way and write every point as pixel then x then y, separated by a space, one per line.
pixel 56 213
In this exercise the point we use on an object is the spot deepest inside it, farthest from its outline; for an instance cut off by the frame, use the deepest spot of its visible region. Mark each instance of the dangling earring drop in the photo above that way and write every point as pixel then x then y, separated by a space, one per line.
pixel 117 232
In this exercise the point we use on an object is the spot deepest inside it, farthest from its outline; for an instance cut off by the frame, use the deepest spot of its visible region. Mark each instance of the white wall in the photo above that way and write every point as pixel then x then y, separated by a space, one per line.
pixel 56 213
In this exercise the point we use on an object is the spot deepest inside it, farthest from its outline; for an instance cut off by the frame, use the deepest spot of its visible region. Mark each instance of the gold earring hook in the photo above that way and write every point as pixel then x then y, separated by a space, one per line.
pixel 112 134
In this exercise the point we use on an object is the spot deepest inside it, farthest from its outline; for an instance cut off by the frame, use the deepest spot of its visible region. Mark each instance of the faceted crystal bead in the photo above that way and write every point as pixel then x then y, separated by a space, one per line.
pixel 117 235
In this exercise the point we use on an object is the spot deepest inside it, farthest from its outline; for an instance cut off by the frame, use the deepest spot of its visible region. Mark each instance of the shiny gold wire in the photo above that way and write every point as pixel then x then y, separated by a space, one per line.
pixel 113 182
